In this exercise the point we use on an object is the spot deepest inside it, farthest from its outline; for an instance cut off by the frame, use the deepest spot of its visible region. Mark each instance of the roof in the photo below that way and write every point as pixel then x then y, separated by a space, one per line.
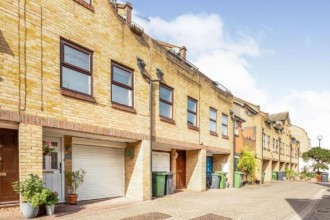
pixel 252 107
pixel 282 116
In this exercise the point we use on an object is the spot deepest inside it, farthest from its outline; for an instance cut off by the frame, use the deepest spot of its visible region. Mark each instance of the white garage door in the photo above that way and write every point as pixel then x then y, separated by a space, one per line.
pixel 160 161
pixel 104 168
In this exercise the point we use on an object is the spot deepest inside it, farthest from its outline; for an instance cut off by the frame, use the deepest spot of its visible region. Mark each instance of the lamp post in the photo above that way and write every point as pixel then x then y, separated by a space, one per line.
pixel 320 137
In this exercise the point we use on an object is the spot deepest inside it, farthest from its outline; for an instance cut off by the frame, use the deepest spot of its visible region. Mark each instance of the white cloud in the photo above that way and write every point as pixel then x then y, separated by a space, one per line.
pixel 212 50
pixel 223 59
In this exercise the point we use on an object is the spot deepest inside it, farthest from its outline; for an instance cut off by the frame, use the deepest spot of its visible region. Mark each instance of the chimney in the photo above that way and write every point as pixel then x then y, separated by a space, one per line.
pixel 183 52
pixel 128 9
pixel 125 11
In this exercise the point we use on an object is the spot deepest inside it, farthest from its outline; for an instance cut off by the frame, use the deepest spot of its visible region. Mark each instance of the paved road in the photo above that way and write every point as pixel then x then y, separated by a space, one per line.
pixel 278 200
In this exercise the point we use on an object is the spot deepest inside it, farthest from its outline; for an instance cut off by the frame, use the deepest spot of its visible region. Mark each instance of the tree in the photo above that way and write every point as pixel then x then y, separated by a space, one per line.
pixel 247 163
pixel 320 156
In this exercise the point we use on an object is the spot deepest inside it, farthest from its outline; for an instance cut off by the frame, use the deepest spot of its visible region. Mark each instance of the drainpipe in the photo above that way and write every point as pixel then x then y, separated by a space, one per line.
pixel 234 144
pixel 279 155
pixel 290 155
pixel 141 64
pixel 298 156
pixel 262 153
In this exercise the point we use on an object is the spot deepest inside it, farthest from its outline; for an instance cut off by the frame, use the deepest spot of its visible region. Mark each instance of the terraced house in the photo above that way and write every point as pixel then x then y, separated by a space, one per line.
pixel 270 137
pixel 81 75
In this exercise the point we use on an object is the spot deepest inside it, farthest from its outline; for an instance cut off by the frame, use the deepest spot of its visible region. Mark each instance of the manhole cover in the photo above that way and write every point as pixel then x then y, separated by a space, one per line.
pixel 211 216
pixel 149 216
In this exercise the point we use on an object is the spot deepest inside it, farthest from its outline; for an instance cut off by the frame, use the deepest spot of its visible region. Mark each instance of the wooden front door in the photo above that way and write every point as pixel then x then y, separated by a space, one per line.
pixel 181 169
pixel 8 165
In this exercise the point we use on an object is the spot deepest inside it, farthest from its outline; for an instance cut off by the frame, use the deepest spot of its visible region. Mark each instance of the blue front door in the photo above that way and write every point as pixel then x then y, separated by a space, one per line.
pixel 209 170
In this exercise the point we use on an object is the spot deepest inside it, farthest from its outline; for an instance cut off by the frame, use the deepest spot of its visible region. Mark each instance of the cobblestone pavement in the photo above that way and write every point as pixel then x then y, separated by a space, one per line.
pixel 277 200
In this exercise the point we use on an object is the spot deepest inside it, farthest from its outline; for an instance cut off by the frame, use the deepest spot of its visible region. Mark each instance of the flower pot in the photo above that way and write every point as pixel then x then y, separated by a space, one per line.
pixel 73 199
pixel 28 211
pixel 50 209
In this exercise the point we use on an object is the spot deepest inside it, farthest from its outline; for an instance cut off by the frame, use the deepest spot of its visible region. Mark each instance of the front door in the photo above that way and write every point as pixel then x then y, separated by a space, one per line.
pixel 52 166
pixel 8 165
pixel 181 169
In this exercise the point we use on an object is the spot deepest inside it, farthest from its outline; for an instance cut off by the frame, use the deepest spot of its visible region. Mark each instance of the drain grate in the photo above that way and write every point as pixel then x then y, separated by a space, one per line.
pixel 149 216
pixel 211 216
pixel 322 211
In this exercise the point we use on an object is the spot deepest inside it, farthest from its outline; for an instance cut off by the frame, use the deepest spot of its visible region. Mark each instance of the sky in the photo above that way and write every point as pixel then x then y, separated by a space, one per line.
pixel 274 53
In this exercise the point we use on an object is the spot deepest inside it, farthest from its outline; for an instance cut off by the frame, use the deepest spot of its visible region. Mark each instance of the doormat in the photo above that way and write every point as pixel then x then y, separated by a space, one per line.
pixel 149 216
pixel 211 216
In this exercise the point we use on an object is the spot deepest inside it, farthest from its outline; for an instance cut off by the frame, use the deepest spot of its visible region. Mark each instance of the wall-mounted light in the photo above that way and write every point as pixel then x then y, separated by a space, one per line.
pixel 141 64
pixel 160 74
pixel 176 155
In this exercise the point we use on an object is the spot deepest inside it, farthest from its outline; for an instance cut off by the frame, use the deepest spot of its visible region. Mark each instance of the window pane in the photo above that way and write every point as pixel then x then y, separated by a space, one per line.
pixel 213 126
pixel 191 118
pixel 236 127
pixel 121 95
pixel 224 130
pixel 213 114
pixel 76 58
pixel 53 158
pixel 165 93
pixel 165 110
pixel 76 81
pixel 122 76
pixel 191 105
pixel 224 119
pixel 87 1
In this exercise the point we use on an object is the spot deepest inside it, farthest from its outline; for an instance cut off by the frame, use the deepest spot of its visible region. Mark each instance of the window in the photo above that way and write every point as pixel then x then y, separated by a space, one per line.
pixel 264 141
pixel 165 101
pixel 274 149
pixel 268 142
pixel 76 68
pixel 277 146
pixel 213 120
pixel 224 125
pixel 192 112
pixel 122 86
pixel 88 1
pixel 235 127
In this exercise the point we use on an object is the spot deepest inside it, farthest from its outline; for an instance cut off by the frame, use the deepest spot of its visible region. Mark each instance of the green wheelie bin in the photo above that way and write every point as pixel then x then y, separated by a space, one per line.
pixel 238 179
pixel 222 179
pixel 158 183
pixel 274 175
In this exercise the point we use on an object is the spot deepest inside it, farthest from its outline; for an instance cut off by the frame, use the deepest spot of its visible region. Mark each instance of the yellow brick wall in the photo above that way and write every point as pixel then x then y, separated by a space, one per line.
pixel 30 150
pixel 110 39
pixel 196 170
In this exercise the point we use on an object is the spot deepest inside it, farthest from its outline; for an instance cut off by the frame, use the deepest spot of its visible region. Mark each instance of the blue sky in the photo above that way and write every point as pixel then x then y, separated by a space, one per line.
pixel 285 44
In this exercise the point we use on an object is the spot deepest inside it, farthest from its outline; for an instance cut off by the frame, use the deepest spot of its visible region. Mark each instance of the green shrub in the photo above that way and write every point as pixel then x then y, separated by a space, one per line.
pixel 247 163
pixel 29 188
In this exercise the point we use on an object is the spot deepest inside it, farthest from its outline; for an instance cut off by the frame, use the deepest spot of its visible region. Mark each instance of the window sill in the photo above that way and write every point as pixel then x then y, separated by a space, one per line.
pixel 76 95
pixel 168 120
pixel 124 108
pixel 193 127
pixel 225 137
pixel 214 133
pixel 85 4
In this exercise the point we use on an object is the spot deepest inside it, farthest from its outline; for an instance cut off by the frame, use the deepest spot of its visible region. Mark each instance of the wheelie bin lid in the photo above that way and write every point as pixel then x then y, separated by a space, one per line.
pixel 221 172
pixel 160 173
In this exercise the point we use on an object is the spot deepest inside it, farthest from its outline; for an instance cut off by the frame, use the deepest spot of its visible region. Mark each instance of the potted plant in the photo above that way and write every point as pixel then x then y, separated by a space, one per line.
pixel 47 148
pixel 30 190
pixel 75 178
pixel 51 198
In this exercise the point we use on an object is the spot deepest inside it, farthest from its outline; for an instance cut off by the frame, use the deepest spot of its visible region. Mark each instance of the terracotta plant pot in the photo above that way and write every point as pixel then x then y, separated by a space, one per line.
pixel 73 199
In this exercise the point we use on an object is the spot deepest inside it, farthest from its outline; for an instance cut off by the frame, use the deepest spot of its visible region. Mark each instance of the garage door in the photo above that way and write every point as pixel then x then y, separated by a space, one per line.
pixel 104 168
pixel 160 161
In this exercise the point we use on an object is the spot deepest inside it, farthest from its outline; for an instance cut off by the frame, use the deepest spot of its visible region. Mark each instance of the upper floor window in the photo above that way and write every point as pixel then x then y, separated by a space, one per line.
pixel 224 121
pixel 122 85
pixel 274 144
pixel 76 68
pixel 268 142
pixel 236 127
pixel 213 120
pixel 88 1
pixel 165 101
pixel 192 112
